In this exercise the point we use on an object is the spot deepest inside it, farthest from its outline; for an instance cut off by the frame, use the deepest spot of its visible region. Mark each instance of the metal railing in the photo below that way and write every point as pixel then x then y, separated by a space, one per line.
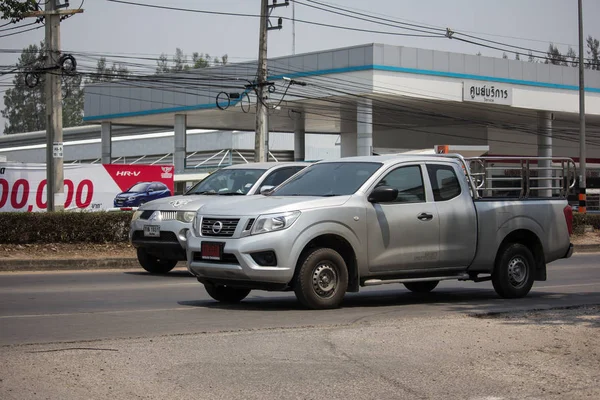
pixel 522 177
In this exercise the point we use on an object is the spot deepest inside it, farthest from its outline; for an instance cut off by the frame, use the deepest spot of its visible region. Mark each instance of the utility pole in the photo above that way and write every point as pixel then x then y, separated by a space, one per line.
pixel 294 28
pixel 262 128
pixel 260 136
pixel 582 150
pixel 55 190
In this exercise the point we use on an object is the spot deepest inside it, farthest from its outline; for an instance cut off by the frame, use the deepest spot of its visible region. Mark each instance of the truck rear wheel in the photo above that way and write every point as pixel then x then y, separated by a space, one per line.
pixel 322 279
pixel 153 264
pixel 421 287
pixel 226 294
pixel 514 271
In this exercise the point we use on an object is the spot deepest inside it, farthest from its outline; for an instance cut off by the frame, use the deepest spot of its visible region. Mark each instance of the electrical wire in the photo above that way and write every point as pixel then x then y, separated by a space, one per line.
pixel 421 26
pixel 23 31
pixel 18 27
pixel 283 18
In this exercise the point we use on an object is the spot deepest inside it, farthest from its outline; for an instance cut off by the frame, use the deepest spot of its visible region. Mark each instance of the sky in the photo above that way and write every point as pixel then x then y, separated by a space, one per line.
pixel 108 27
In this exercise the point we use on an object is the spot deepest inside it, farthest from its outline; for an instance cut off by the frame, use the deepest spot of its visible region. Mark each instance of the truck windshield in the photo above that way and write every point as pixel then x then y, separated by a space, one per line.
pixel 329 179
pixel 228 182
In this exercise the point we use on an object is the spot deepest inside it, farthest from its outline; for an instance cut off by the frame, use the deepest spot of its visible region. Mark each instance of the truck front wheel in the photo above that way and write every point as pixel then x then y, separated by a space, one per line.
pixel 226 294
pixel 514 271
pixel 153 264
pixel 322 279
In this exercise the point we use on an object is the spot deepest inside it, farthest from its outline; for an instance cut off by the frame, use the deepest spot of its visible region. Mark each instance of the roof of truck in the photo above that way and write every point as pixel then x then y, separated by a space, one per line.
pixel 393 158
pixel 267 165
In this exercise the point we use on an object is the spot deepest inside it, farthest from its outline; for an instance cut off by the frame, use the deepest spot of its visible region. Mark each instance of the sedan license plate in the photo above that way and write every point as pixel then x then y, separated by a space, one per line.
pixel 211 251
pixel 152 230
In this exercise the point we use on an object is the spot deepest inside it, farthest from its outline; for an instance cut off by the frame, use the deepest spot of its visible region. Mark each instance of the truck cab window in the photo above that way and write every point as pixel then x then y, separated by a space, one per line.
pixel 409 183
pixel 443 182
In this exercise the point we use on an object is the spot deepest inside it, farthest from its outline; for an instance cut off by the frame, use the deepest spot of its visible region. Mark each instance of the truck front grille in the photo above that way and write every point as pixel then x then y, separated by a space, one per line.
pixel 219 226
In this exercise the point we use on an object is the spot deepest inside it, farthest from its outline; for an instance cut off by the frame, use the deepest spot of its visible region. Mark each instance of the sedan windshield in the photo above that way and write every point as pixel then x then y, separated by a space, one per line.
pixel 329 179
pixel 228 182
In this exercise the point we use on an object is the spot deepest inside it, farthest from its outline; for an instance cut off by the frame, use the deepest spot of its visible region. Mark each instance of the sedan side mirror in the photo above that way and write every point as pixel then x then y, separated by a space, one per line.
pixel 383 194
pixel 150 190
pixel 266 189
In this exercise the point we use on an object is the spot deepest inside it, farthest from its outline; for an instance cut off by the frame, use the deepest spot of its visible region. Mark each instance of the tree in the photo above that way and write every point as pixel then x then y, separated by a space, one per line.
pixel 162 64
pixel 517 57
pixel 530 57
pixel 553 56
pixel 572 57
pixel 14 9
pixel 200 61
pixel 593 53
pixel 504 56
pixel 25 107
pixel 104 73
pixel 179 62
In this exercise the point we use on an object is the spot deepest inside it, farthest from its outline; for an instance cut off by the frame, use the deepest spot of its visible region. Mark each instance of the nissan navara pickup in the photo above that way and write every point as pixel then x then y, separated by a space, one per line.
pixel 158 228
pixel 362 221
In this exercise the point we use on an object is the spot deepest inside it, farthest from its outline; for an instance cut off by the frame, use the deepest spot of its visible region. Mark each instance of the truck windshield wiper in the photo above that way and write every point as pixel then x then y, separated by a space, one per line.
pixel 231 194
pixel 331 195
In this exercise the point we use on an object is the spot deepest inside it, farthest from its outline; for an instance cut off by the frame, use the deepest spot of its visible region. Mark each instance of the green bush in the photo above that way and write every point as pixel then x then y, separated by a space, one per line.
pixel 113 227
pixel 64 227
pixel 581 220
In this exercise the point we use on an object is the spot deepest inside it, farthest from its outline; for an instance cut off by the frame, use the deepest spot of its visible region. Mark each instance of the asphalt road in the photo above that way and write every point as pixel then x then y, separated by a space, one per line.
pixel 80 306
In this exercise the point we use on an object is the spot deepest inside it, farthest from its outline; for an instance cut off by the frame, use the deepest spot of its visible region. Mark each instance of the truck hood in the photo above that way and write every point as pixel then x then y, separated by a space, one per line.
pixel 181 202
pixel 256 205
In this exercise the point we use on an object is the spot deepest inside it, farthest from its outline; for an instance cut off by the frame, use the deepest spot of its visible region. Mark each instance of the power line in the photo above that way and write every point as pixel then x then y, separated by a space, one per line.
pixel 258 16
pixel 23 31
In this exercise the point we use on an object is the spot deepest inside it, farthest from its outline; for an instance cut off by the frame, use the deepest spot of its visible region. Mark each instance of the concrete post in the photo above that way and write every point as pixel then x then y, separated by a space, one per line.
pixel 106 139
pixel 300 137
pixel 544 141
pixel 348 133
pixel 180 143
pixel 180 149
pixel 364 128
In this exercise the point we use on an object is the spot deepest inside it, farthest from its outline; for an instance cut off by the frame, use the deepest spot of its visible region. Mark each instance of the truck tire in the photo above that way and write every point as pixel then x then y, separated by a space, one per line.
pixel 153 264
pixel 514 271
pixel 421 287
pixel 322 280
pixel 226 294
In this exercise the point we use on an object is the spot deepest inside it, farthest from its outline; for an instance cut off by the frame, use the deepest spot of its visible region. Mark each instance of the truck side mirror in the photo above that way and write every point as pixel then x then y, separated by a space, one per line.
pixel 383 194
pixel 265 190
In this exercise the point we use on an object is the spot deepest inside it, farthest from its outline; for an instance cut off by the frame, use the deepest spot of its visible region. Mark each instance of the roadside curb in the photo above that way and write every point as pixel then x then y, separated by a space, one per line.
pixel 67 264
pixel 15 265
pixel 587 248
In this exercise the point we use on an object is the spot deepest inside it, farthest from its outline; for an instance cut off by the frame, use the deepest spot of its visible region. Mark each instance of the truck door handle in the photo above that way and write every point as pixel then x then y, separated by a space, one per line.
pixel 425 217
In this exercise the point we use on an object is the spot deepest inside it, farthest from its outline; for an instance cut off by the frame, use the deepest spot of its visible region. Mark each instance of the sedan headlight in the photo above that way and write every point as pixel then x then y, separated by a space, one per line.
pixel 131 198
pixel 274 222
pixel 136 215
pixel 186 216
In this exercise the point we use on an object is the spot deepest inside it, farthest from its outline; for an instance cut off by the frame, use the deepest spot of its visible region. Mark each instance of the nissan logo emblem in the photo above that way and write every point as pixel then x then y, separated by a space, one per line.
pixel 217 226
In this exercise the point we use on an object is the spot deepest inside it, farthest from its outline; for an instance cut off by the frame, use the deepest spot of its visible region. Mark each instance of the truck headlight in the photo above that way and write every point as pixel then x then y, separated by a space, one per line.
pixel 186 216
pixel 136 215
pixel 274 222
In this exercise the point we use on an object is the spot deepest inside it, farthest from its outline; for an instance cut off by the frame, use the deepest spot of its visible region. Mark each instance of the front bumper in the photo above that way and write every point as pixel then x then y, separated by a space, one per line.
pixel 237 265
pixel 172 241
pixel 570 251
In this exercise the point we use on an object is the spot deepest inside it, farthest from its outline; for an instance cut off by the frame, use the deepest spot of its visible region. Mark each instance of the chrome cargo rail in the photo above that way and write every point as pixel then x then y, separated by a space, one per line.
pixel 523 177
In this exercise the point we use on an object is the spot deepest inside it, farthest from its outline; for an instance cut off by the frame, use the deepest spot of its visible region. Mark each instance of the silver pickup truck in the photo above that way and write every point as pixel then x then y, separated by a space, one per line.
pixel 362 221
pixel 158 227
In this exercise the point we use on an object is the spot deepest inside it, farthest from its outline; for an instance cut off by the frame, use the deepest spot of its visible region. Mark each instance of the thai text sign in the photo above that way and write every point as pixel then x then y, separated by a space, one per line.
pixel 486 92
